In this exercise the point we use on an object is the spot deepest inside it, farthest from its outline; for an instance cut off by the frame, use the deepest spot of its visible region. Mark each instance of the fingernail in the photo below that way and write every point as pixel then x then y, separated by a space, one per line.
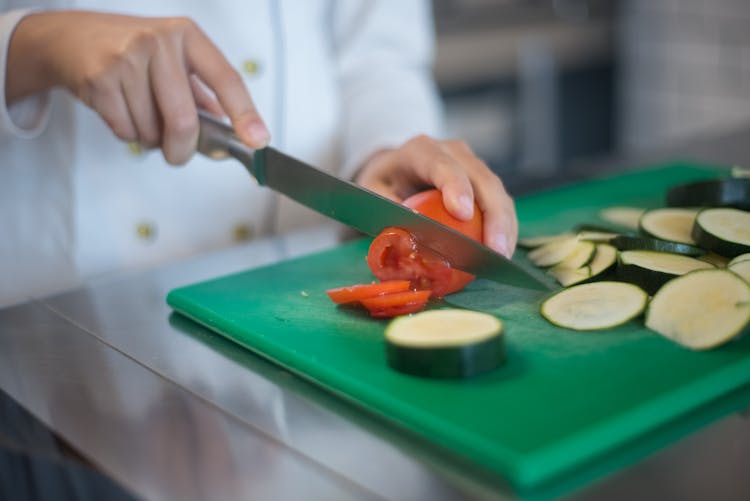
pixel 258 133
pixel 499 242
pixel 466 206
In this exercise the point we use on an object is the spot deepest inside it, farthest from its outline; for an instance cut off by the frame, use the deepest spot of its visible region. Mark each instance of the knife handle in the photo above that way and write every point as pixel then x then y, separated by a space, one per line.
pixel 217 140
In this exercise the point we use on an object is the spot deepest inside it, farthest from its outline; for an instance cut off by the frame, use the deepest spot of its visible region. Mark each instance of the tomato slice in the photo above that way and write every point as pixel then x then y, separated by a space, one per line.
pixel 394 311
pixel 396 255
pixel 395 299
pixel 356 293
pixel 399 303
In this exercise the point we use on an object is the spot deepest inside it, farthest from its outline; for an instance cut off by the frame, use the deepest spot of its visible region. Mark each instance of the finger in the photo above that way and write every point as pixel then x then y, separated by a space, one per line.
pixel 440 169
pixel 500 223
pixel 174 98
pixel 108 100
pixel 206 61
pixel 142 106
pixel 204 98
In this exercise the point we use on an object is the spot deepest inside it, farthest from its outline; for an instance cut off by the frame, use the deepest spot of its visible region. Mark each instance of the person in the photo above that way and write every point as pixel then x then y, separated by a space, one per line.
pixel 95 103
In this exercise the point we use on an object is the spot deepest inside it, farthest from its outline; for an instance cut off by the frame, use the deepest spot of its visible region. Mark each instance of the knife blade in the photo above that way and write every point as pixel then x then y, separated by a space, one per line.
pixel 357 207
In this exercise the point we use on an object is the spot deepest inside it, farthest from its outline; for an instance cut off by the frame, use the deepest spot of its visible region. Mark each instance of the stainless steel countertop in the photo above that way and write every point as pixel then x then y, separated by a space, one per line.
pixel 171 411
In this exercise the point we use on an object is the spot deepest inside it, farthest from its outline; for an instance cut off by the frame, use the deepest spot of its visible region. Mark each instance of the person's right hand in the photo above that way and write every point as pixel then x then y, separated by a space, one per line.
pixel 146 77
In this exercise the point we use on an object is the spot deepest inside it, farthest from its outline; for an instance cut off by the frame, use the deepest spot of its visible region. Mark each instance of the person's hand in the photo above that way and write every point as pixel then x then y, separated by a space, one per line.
pixel 146 77
pixel 451 167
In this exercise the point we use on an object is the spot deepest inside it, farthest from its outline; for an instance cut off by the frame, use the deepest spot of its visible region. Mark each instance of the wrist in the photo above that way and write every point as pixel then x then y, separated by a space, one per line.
pixel 28 66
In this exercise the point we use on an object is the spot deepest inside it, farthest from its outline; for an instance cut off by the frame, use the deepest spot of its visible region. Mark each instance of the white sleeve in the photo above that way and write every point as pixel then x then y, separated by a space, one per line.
pixel 384 51
pixel 25 118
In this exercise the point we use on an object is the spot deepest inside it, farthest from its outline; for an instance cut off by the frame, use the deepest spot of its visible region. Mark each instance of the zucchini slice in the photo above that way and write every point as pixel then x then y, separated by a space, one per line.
pixel 595 306
pixel 581 256
pixel 725 231
pixel 702 309
pixel 650 269
pixel 741 268
pixel 448 343
pixel 533 242
pixel 714 193
pixel 626 217
pixel 553 252
pixel 596 236
pixel 599 228
pixel 715 259
pixel 605 256
pixel 669 224
pixel 626 242
pixel 604 259
pixel 569 276
pixel 739 259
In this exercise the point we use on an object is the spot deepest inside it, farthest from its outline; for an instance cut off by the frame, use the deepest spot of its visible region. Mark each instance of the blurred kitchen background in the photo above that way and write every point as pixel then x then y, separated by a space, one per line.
pixel 539 87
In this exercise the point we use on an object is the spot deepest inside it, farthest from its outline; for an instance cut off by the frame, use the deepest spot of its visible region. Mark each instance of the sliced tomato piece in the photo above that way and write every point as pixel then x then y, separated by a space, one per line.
pixel 398 303
pixel 395 299
pixel 356 293
pixel 394 311
pixel 396 255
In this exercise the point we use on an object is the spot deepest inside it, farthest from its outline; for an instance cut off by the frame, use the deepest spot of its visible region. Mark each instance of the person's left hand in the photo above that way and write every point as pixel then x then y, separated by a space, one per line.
pixel 461 176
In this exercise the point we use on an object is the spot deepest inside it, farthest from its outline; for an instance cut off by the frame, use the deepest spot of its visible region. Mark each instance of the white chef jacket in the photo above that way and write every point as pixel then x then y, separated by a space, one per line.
pixel 334 81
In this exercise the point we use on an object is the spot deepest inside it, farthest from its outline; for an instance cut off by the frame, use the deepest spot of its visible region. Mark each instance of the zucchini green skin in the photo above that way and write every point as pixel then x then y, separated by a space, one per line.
pixel 719 246
pixel 645 278
pixel 603 228
pixel 452 362
pixel 734 192
pixel 627 242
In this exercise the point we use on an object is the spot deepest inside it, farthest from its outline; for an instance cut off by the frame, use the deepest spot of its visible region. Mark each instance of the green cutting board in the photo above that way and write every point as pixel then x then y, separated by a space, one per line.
pixel 563 401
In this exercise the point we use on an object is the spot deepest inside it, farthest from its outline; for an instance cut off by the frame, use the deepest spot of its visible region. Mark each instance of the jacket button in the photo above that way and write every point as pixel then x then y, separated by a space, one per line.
pixel 135 149
pixel 250 67
pixel 146 231
pixel 242 232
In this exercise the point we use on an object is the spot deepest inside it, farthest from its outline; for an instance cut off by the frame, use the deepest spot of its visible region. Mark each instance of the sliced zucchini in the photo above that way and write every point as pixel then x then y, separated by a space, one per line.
pixel 599 305
pixel 741 268
pixel 739 259
pixel 569 276
pixel 626 217
pixel 596 236
pixel 669 224
pixel 604 259
pixel 725 231
pixel 715 259
pixel 553 252
pixel 701 309
pixel 448 343
pixel 581 256
pixel 605 256
pixel 714 193
pixel 533 242
pixel 598 228
pixel 650 269
pixel 626 242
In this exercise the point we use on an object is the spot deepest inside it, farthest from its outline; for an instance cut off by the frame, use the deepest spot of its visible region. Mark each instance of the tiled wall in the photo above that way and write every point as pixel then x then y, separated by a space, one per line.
pixel 685 69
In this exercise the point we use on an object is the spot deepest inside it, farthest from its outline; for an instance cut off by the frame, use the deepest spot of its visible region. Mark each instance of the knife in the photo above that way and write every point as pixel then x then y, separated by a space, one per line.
pixel 357 207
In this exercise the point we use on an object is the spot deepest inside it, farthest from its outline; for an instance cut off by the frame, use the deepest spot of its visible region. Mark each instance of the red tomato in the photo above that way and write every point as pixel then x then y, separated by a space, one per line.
pixel 356 293
pixel 398 303
pixel 430 203
pixel 396 255
pixel 394 311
